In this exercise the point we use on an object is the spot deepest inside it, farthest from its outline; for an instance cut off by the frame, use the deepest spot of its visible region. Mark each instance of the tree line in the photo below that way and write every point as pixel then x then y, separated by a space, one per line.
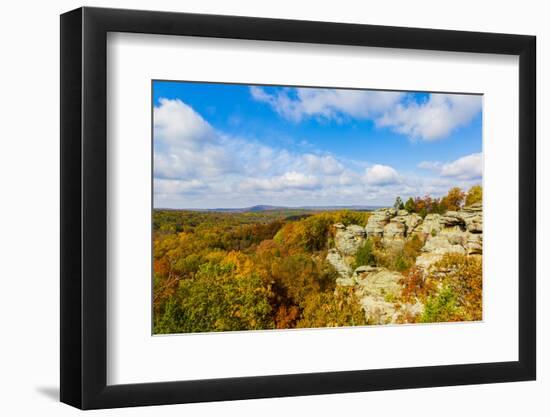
pixel 455 199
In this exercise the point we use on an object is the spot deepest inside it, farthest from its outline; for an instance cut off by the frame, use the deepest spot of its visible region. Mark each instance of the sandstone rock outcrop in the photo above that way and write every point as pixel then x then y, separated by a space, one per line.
pixel 458 232
pixel 349 239
pixel 441 245
pixel 453 232
pixel 341 266
pixel 395 232
pixel 412 221
pixel 378 282
pixel 474 244
pixel 473 218
pixel 431 224
pixel 378 220
pixel 451 218
pixel 376 287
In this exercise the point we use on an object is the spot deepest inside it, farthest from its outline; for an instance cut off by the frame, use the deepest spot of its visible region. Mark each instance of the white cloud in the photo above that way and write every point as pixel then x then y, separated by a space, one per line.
pixel 168 186
pixel 325 164
pixel 175 121
pixel 433 119
pixel 382 175
pixel 185 145
pixel 185 161
pixel 468 167
pixel 193 161
pixel 430 120
pixel 465 168
pixel 197 166
pixel 299 103
pixel 289 180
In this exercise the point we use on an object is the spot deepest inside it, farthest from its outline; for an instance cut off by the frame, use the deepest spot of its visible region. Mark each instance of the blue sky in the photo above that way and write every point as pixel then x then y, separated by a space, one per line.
pixel 226 145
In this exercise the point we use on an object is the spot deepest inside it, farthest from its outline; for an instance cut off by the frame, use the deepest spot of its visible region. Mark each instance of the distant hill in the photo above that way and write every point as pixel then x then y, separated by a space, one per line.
pixel 262 208
pixel 266 207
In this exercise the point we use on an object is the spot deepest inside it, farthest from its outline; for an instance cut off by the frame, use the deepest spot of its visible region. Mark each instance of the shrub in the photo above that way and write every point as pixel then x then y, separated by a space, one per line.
pixel 332 309
pixel 400 263
pixel 365 255
pixel 348 217
pixel 397 259
pixel 464 278
pixel 441 307
pixel 451 291
pixel 413 247
pixel 416 287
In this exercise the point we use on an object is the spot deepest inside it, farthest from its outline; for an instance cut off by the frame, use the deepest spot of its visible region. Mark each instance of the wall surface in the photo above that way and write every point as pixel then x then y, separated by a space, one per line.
pixel 29 239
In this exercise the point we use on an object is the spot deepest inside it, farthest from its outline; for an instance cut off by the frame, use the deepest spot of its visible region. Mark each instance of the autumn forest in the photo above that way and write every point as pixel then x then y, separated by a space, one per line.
pixel 271 269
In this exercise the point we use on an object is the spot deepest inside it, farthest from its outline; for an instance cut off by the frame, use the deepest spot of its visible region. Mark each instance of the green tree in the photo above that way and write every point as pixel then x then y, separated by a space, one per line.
pixel 437 206
pixel 398 205
pixel 410 206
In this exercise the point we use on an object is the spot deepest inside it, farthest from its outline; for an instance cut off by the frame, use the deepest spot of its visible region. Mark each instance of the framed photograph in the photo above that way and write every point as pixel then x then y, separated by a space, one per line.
pixel 257 208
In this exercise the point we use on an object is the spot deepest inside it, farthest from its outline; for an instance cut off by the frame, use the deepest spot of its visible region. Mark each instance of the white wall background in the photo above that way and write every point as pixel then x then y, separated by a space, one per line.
pixel 29 225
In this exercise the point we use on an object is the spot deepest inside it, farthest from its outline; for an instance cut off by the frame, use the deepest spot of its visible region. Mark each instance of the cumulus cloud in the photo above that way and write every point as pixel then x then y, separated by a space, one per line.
pixel 325 164
pixel 193 161
pixel 382 175
pixel 289 180
pixel 198 166
pixel 297 104
pixel 433 119
pixel 168 186
pixel 468 167
pixel 185 145
pixel 176 122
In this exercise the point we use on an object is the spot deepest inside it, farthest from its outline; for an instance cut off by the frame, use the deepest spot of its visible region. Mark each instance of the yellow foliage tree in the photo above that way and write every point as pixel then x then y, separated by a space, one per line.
pixel 475 195
pixel 454 199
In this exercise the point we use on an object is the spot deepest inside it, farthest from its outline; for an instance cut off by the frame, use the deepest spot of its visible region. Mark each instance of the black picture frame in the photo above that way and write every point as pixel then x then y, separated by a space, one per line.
pixel 84 207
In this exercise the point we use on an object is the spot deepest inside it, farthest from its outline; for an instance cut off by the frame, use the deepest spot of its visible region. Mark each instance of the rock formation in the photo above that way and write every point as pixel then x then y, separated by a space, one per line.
pixel 341 266
pixel 349 239
pixel 452 232
pixel 378 220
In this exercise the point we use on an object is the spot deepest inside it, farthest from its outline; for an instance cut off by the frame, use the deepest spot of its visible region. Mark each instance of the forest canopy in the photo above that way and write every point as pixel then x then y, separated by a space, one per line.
pixel 224 271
